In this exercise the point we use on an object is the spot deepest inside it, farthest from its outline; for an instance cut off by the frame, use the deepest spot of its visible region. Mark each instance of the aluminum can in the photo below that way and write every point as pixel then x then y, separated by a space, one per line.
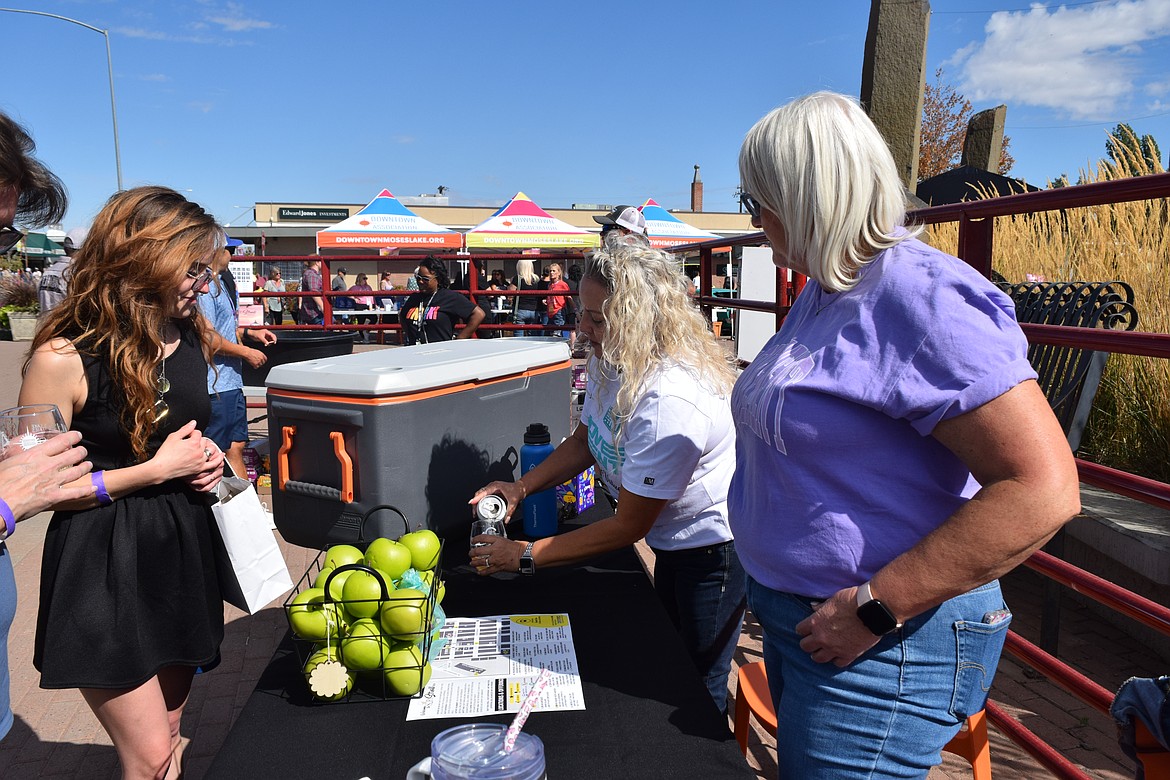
pixel 491 508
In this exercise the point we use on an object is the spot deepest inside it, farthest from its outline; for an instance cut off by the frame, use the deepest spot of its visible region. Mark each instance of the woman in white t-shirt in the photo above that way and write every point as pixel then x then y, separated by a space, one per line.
pixel 657 424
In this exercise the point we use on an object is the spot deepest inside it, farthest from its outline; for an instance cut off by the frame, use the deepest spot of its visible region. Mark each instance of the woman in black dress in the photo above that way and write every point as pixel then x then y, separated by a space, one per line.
pixel 130 605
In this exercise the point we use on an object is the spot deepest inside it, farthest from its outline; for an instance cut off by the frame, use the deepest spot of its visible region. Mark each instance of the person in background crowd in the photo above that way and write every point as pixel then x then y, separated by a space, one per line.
pixel 339 284
pixel 429 315
pixel 31 480
pixel 894 457
pixel 55 281
pixel 228 425
pixel 130 604
pixel 363 303
pixel 526 312
pixel 657 425
pixel 387 302
pixel 274 307
pixel 312 307
pixel 554 305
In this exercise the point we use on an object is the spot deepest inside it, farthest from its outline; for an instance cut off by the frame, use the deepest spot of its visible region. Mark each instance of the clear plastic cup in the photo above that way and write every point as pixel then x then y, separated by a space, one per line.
pixel 475 751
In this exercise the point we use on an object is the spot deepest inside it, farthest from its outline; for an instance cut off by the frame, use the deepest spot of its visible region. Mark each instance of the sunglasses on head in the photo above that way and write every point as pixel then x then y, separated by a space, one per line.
pixel 9 237
pixel 750 204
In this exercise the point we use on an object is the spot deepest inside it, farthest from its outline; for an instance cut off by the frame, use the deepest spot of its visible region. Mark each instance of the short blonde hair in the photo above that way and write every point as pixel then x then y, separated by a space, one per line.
pixel 821 166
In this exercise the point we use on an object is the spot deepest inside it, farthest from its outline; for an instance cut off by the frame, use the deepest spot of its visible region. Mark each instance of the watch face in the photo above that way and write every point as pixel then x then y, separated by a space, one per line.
pixel 877 618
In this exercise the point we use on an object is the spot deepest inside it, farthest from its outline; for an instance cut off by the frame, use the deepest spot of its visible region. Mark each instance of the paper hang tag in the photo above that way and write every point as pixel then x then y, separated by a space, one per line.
pixel 329 679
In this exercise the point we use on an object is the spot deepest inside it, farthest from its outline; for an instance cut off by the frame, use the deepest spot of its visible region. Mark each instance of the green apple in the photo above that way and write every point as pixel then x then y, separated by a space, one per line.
pixel 362 593
pixel 311 618
pixel 319 580
pixel 364 648
pixel 424 548
pixel 404 616
pixel 341 554
pixel 428 578
pixel 318 658
pixel 337 584
pixel 406 673
pixel 389 556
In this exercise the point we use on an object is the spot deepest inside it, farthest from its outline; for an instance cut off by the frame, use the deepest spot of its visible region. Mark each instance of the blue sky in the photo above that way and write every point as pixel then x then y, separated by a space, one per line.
pixel 238 102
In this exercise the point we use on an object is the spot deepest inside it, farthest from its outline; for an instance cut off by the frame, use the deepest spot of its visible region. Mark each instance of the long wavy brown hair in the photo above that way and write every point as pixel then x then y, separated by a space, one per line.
pixel 122 286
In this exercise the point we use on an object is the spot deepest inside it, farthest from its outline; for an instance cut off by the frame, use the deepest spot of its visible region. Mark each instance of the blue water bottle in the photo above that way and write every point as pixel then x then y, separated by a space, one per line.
pixel 540 509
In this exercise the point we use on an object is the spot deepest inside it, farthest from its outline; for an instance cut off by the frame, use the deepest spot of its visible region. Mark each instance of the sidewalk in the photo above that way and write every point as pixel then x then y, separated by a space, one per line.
pixel 56 735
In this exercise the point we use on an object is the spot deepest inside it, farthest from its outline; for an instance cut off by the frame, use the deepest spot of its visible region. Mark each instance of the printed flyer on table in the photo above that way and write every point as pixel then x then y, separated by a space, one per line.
pixel 488 664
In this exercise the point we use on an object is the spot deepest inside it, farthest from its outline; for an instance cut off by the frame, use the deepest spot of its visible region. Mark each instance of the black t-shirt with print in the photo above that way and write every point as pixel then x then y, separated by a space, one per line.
pixel 438 314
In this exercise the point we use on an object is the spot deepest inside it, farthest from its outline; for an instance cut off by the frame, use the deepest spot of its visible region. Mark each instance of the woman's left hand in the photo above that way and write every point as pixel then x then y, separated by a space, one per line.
pixel 204 481
pixel 496 555
pixel 834 633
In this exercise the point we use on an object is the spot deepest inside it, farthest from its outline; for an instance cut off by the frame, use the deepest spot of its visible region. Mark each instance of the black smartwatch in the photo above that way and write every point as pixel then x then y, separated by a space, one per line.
pixel 527 565
pixel 875 615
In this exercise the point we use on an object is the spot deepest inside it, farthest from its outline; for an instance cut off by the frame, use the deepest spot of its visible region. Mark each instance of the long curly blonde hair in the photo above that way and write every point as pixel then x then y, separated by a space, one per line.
pixel 650 321
pixel 121 289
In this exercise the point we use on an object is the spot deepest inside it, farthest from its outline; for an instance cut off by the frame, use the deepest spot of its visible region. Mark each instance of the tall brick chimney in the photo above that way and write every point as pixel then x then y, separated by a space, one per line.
pixel 697 192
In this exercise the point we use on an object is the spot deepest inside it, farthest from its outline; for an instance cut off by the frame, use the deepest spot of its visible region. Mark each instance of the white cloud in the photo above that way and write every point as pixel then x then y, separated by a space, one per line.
pixel 1158 88
pixel 1084 61
pixel 233 19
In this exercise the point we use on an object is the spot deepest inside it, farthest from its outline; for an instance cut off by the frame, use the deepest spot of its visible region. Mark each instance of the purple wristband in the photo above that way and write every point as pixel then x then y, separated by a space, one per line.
pixel 9 519
pixel 98 478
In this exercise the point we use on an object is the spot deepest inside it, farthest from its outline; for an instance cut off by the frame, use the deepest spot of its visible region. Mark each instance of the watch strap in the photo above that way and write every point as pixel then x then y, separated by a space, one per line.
pixel 527 565
pixel 876 616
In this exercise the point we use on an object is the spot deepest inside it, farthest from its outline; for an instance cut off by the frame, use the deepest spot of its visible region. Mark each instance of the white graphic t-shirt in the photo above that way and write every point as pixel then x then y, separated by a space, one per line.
pixel 679 444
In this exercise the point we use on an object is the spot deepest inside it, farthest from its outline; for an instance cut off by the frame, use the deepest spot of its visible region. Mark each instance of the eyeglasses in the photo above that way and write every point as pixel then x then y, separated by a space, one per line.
pixel 751 204
pixel 9 237
pixel 422 279
pixel 201 274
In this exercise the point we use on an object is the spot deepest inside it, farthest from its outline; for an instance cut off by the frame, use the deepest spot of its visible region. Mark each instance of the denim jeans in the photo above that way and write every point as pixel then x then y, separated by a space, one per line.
pixel 553 319
pixel 704 592
pixel 526 317
pixel 889 713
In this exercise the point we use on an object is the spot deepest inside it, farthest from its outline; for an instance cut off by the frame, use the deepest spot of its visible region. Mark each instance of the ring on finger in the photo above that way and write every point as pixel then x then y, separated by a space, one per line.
pixel 487 560
pixel 206 453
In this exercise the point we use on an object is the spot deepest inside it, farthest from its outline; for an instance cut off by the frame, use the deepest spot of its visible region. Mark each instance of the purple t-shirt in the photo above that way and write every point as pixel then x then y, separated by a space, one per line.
pixel 837 472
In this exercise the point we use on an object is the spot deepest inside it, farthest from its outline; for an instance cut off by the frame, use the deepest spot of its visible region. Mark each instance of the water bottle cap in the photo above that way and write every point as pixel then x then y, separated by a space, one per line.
pixel 537 433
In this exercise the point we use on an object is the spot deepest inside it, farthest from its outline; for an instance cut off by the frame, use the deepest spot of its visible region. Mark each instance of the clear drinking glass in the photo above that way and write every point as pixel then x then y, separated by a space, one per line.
pixel 490 527
pixel 24 427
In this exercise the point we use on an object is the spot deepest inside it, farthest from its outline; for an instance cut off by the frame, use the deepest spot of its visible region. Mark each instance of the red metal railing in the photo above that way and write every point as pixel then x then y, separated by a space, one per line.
pixel 477 294
pixel 975 245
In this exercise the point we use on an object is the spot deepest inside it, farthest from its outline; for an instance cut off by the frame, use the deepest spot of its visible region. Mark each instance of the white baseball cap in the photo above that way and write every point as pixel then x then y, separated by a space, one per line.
pixel 627 217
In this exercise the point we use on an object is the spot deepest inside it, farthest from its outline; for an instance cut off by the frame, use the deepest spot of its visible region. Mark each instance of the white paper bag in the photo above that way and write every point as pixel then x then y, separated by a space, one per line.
pixel 251 569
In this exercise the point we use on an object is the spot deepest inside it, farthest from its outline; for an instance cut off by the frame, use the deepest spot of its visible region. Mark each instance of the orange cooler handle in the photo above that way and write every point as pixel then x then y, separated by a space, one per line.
pixel 287 434
pixel 346 466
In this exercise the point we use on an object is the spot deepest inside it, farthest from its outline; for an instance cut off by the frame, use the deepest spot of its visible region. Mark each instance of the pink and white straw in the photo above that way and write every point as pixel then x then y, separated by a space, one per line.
pixel 525 708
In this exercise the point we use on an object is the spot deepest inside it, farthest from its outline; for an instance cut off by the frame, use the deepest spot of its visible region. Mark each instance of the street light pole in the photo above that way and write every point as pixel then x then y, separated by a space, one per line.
pixel 109 65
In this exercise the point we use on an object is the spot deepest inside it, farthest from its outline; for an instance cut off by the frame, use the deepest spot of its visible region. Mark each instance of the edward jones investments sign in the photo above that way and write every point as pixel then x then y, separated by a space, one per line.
pixel 311 214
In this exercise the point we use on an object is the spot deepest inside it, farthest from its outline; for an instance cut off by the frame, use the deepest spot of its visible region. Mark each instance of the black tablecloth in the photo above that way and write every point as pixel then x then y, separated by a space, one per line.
pixel 647 712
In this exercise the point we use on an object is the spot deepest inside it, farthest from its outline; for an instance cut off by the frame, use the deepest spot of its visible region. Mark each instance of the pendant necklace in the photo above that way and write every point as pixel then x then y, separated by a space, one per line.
pixel 163 385
pixel 422 318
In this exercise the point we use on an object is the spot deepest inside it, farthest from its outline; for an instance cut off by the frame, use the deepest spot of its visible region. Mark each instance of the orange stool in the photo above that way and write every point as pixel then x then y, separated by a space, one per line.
pixel 753 698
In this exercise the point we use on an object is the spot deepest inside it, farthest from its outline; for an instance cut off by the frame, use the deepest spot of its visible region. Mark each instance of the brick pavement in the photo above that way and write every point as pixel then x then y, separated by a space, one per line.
pixel 56 735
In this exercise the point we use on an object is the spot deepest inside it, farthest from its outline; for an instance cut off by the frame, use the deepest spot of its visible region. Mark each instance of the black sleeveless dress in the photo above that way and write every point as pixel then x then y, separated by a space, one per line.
pixel 130 588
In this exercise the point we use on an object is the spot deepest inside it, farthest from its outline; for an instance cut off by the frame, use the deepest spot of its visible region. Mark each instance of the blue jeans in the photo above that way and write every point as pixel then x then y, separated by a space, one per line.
pixel 704 592
pixel 526 317
pixel 553 319
pixel 889 713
